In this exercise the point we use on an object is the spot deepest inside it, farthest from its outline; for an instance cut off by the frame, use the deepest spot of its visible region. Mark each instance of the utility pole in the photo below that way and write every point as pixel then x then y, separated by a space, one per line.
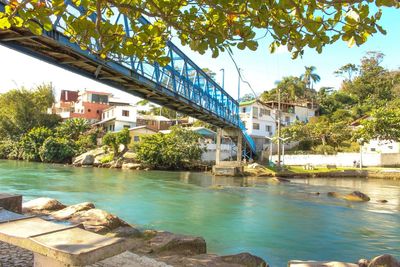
pixel 279 128
pixel 223 78
pixel 239 85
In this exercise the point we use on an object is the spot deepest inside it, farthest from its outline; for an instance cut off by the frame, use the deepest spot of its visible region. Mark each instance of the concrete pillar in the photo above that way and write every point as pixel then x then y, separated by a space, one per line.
pixel 218 148
pixel 239 147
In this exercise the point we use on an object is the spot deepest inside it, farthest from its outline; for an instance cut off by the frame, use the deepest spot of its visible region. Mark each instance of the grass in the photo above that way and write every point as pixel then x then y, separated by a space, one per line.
pixel 299 169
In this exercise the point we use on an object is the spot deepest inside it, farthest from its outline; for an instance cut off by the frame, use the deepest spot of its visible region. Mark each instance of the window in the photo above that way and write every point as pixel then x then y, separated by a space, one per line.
pixel 136 138
pixel 125 113
pixel 287 119
pixel 265 112
pixel 255 112
pixel 98 111
pixel 99 98
pixel 268 128
pixel 390 147
pixel 373 149
pixel 127 126
pixel 244 110
pixel 256 126
pixel 89 110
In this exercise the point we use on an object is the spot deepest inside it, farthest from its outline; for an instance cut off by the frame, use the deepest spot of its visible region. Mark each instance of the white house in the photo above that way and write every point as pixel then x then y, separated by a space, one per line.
pixel 260 118
pixel 116 118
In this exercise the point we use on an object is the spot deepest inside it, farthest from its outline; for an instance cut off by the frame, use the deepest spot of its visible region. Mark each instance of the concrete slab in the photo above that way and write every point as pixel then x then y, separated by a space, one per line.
pixel 11 202
pixel 57 244
pixel 227 171
pixel 296 263
pixel 79 247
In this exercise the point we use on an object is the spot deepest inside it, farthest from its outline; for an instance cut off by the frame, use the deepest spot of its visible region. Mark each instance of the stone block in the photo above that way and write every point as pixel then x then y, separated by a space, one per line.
pixel 11 202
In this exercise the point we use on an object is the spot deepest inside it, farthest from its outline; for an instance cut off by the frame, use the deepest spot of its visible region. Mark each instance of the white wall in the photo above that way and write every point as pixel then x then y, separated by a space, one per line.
pixel 210 154
pixel 341 159
pixel 382 146
pixel 116 113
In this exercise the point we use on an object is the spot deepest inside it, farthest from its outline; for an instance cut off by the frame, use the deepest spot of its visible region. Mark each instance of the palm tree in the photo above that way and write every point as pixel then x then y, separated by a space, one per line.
pixel 310 77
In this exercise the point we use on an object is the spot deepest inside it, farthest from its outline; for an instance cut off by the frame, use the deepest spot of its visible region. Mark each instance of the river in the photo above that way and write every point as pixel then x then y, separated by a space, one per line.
pixel 276 222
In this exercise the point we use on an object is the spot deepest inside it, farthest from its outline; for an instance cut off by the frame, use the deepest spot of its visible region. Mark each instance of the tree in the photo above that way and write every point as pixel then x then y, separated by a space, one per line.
pixel 22 110
pixel 310 77
pixel 347 71
pixel 114 140
pixel 292 89
pixel 169 151
pixel 383 124
pixel 247 97
pixel 203 25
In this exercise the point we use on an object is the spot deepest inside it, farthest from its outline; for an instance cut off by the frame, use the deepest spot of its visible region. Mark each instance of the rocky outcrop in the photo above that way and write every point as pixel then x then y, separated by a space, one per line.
pixel 42 205
pixel 296 263
pixel 356 196
pixel 166 243
pixel 385 260
pixel 131 166
pixel 69 211
pixel 212 260
pixel 363 263
pixel 98 221
pixel 89 158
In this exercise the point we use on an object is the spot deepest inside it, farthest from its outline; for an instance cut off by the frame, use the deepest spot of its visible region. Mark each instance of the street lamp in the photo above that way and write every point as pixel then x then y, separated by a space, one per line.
pixel 223 78
pixel 271 139
pixel 239 70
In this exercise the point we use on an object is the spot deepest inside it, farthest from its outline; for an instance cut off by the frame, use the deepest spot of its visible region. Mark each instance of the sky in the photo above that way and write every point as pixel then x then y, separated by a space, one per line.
pixel 260 68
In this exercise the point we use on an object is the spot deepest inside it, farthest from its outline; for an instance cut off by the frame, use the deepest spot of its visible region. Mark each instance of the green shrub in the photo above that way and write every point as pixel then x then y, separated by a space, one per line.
pixel 324 149
pixel 57 150
pixel 73 128
pixel 33 140
pixel 6 147
pixel 113 140
pixel 107 158
pixel 169 151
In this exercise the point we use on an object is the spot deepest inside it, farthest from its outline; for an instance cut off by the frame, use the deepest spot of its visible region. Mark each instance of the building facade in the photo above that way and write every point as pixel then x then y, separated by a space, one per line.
pixel 116 118
pixel 260 118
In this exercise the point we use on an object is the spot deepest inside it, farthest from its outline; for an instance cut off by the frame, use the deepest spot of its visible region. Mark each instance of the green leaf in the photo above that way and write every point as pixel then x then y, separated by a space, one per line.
pixel 34 27
pixel 4 24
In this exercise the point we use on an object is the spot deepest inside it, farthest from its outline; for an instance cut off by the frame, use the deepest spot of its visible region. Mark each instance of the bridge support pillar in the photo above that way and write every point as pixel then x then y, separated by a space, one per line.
pixel 218 148
pixel 239 147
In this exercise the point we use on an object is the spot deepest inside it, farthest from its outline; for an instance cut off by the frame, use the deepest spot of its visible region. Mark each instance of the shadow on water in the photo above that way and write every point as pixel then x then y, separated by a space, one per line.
pixel 278 222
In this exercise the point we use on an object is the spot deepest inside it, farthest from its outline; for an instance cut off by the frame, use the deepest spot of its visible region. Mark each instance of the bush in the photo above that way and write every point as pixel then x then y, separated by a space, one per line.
pixel 107 158
pixel 6 147
pixel 113 140
pixel 169 151
pixel 57 150
pixel 33 140
pixel 86 141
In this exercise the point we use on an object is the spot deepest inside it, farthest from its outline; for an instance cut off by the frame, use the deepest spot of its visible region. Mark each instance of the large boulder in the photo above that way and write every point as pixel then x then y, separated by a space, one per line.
pixel 130 166
pixel 69 211
pixel 212 260
pixel 97 220
pixel 385 260
pixel 42 205
pixel 244 259
pixel 88 160
pixel 356 196
pixel 296 263
pixel 166 243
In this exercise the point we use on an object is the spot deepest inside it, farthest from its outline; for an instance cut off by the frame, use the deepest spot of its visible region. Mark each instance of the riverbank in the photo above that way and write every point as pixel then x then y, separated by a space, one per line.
pixel 295 172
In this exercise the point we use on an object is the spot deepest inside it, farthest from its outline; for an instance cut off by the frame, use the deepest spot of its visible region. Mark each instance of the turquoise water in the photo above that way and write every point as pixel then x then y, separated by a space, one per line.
pixel 276 222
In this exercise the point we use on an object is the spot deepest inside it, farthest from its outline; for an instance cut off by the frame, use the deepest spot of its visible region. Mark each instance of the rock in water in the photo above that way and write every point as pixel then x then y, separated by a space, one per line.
pixel 363 263
pixel 244 259
pixel 357 196
pixel 98 221
pixel 88 160
pixel 333 194
pixel 166 243
pixel 385 260
pixel 69 211
pixel 43 205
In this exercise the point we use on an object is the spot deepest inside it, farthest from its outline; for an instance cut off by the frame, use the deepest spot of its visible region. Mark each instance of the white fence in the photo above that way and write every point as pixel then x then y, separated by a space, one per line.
pixel 342 159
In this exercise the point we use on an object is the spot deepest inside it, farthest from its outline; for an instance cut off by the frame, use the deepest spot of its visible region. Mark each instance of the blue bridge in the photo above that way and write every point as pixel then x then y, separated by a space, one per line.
pixel 181 85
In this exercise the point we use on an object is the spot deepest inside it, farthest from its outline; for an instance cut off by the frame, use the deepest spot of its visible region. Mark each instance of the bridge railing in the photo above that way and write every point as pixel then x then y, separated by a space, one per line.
pixel 181 75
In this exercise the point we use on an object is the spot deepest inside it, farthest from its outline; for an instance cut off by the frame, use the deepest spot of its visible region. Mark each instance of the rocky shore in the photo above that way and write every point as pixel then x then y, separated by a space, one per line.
pixel 152 247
